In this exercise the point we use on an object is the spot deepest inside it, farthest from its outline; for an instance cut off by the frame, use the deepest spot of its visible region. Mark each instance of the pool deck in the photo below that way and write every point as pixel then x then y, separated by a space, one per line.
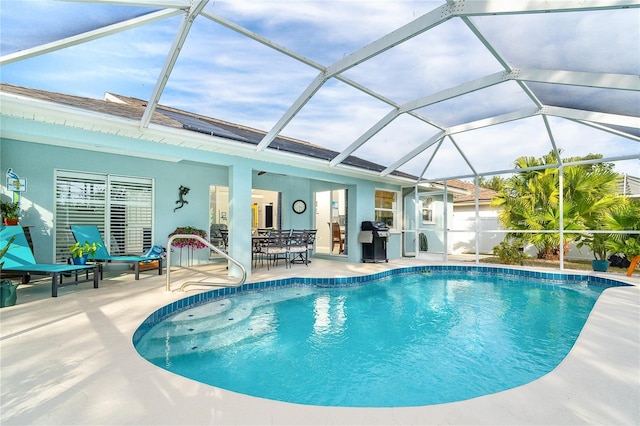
pixel 70 361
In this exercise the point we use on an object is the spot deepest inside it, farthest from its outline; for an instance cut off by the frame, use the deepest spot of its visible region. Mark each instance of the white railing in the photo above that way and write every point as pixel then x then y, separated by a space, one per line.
pixel 212 247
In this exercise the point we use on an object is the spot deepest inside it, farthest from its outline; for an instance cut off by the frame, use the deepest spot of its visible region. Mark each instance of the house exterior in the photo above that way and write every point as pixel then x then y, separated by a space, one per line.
pixel 490 232
pixel 88 161
pixel 629 186
pixel 463 229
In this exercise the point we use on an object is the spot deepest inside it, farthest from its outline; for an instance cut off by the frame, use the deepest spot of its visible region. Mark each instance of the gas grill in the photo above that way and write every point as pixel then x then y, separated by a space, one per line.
pixel 373 237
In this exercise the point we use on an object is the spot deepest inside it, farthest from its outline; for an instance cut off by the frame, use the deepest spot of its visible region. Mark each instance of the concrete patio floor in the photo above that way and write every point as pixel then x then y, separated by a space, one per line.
pixel 70 361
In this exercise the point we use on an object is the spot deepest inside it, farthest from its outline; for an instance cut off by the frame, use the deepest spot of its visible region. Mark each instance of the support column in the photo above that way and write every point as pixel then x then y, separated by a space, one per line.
pixel 446 221
pixel 240 248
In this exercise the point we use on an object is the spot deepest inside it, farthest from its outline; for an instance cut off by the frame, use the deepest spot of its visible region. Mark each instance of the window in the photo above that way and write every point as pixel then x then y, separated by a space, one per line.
pixel 386 207
pixel 427 210
pixel 121 207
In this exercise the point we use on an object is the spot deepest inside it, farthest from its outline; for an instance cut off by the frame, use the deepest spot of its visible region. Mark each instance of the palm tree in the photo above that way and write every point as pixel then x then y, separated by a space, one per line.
pixel 624 216
pixel 593 194
pixel 530 200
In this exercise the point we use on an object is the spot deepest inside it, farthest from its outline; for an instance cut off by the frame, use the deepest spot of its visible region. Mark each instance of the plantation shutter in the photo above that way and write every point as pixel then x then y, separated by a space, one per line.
pixel 131 214
pixel 121 207
pixel 80 200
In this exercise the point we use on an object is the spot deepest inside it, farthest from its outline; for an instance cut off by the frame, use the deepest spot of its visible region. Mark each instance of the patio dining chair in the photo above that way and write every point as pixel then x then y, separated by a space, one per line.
pixel 297 246
pixel 277 247
pixel 259 241
pixel 224 234
pixel 91 233
pixel 215 234
pixel 302 256
pixel 336 237
pixel 311 242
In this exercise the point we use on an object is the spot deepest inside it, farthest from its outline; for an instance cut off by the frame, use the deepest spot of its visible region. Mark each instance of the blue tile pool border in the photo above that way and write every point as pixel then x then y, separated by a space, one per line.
pixel 222 293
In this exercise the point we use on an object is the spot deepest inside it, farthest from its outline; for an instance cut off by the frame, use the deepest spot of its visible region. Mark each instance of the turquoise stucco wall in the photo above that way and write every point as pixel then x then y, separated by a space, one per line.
pixel 37 163
pixel 198 170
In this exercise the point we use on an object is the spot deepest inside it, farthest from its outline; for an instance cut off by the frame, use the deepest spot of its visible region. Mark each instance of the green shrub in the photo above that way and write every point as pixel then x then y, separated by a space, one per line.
pixel 509 252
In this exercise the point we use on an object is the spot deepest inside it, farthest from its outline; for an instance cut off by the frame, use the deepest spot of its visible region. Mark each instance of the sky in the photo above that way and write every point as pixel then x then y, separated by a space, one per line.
pixel 222 74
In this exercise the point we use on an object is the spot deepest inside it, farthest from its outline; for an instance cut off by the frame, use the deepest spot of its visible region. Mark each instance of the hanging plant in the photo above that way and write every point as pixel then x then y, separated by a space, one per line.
pixel 188 242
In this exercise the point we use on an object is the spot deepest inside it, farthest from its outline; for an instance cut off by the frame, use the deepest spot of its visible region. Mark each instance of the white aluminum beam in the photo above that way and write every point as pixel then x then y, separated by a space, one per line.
pixel 487 44
pixel 492 121
pixel 526 169
pixel 260 39
pixel 88 36
pixel 466 160
pixel 304 97
pixel 502 7
pixel 593 116
pixel 170 61
pixel 613 81
pixel 433 155
pixel 381 124
pixel 547 126
pixel 402 34
pixel 468 8
pixel 412 29
pixel 462 89
pixel 416 151
pixel 574 78
pixel 480 36
pixel 424 23
pixel 179 4
pixel 301 58
pixel 602 80
pixel 609 130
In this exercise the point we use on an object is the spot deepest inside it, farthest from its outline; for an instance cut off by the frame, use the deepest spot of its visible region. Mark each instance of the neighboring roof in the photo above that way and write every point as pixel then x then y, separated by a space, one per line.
pixel 484 194
pixel 437 89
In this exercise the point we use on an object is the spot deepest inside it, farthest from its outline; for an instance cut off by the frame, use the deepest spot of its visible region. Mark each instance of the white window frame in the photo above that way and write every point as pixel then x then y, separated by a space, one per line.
pixel 428 208
pixel 84 198
pixel 394 208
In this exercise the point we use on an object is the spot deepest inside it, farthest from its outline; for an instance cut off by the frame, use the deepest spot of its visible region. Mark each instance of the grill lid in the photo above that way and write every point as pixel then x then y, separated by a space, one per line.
pixel 374 226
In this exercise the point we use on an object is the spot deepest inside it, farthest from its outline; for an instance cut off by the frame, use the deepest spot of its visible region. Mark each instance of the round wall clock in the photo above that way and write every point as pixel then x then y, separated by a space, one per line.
pixel 299 206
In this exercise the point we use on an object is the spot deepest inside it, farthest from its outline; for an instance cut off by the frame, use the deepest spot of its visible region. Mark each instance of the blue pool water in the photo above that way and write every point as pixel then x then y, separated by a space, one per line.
pixel 406 339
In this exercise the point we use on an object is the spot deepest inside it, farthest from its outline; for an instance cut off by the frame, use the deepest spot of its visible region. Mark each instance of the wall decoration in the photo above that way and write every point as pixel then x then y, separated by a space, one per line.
pixel 183 191
pixel 16 185
pixel 299 206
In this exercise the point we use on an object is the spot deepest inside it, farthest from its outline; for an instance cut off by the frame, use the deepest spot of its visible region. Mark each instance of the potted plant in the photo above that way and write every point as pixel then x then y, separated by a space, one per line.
pixel 80 252
pixel 10 212
pixel 8 290
pixel 187 242
pixel 598 245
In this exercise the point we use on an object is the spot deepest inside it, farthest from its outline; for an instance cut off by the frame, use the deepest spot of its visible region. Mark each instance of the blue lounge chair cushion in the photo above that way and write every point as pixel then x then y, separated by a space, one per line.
pixel 19 258
pixel 91 233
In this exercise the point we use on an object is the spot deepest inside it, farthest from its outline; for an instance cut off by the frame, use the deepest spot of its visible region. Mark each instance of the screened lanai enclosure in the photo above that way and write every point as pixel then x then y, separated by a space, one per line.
pixel 430 90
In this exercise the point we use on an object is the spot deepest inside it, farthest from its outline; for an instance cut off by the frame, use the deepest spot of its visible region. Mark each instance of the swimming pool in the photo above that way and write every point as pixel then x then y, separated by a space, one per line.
pixel 412 336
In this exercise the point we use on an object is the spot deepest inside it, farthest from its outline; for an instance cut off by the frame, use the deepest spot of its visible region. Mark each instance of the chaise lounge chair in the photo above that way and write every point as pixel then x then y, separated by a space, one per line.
pixel 19 259
pixel 91 233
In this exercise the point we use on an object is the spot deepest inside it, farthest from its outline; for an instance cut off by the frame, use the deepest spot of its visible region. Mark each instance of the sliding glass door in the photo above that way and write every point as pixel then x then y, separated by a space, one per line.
pixel 331 222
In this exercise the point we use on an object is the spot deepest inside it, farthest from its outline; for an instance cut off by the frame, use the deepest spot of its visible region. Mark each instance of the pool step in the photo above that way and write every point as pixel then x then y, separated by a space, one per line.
pixel 208 322
pixel 215 325
pixel 199 340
